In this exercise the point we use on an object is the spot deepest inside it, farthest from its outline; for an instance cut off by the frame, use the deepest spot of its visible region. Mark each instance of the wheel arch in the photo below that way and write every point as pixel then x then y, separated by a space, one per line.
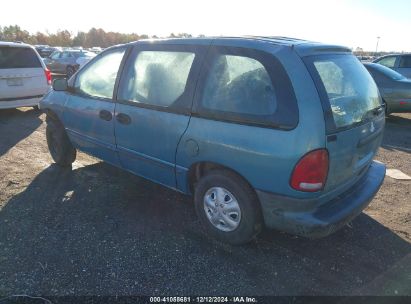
pixel 201 168
pixel 50 114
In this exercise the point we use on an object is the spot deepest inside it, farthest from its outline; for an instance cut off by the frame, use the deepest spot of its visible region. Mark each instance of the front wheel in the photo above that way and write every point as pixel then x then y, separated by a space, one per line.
pixel 227 207
pixel 60 147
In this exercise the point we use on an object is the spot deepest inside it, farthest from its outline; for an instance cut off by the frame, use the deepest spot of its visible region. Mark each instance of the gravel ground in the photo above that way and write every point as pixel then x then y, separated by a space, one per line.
pixel 96 230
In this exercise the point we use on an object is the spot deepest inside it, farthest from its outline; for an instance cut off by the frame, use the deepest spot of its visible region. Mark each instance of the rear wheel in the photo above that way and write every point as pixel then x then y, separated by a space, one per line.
pixel 60 147
pixel 227 207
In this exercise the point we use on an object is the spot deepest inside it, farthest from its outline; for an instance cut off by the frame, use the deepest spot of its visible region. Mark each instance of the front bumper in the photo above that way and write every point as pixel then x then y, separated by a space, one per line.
pixel 287 214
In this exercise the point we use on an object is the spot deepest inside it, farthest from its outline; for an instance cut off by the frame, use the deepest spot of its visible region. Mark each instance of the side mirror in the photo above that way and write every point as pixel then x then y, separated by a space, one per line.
pixel 60 84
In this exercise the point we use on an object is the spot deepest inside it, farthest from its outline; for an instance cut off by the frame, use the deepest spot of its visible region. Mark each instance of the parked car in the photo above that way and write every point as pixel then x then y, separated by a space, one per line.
pixel 261 131
pixel 364 58
pixel 40 47
pixel 400 63
pixel 96 49
pixel 46 51
pixel 24 78
pixel 67 61
pixel 81 61
pixel 395 88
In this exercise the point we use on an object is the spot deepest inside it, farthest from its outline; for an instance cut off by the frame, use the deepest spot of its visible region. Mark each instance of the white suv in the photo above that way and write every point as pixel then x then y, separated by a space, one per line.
pixel 24 78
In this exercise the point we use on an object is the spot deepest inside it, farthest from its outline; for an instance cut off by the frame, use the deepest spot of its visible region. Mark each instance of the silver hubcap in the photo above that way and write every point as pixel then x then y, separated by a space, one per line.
pixel 222 209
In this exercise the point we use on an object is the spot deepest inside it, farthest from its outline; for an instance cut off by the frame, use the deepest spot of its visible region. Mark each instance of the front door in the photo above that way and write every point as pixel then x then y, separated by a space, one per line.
pixel 153 108
pixel 89 111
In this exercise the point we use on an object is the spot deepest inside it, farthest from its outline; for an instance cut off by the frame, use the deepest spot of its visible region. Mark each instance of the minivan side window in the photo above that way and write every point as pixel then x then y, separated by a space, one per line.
pixel 99 77
pixel 389 62
pixel 246 86
pixel 157 78
pixel 239 84
pixel 405 62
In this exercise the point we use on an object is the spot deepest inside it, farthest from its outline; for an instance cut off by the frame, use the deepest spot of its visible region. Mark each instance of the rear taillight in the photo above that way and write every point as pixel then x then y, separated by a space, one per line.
pixel 48 76
pixel 311 171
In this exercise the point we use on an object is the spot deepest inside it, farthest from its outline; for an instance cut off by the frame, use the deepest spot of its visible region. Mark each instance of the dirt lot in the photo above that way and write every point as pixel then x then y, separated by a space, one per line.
pixel 96 230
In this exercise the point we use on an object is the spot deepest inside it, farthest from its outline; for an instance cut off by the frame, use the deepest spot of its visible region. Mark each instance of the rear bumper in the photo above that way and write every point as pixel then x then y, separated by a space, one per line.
pixel 16 103
pixel 319 221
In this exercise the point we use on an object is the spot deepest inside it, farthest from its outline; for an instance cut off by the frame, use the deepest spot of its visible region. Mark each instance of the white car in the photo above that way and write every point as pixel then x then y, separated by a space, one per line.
pixel 24 78
pixel 81 61
pixel 96 49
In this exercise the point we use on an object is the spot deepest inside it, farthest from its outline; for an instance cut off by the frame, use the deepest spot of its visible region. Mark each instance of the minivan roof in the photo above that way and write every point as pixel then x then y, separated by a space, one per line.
pixel 301 46
pixel 14 44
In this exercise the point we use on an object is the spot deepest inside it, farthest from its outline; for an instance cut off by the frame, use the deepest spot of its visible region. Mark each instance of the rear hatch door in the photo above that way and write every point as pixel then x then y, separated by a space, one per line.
pixel 21 73
pixel 353 113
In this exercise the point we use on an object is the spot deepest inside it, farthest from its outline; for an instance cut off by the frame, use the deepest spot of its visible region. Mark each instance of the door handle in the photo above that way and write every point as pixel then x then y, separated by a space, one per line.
pixel 105 115
pixel 123 118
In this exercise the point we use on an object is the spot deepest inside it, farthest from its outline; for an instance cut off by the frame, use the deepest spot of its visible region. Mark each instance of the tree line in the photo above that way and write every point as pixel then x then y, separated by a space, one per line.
pixel 94 37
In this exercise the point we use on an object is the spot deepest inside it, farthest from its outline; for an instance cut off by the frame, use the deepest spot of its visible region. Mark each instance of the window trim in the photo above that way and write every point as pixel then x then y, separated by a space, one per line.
pixel 188 95
pixel 286 100
pixel 72 82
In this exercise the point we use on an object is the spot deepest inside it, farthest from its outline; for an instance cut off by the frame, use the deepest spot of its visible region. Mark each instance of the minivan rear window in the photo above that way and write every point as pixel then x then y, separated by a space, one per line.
pixel 347 87
pixel 18 57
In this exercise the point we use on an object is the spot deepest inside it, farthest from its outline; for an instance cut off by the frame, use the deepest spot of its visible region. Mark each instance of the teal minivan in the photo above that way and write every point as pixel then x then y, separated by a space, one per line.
pixel 262 131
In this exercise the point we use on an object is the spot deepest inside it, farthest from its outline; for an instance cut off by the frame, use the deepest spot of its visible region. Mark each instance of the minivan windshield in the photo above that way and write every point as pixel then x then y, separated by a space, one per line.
pixel 347 86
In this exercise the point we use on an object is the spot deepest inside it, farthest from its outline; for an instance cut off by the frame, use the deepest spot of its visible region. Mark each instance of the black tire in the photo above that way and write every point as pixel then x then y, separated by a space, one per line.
pixel 70 71
pixel 250 223
pixel 60 147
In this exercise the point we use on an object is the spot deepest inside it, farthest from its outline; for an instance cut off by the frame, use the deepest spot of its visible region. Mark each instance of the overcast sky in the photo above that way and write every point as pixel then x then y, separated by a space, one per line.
pixel 346 22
